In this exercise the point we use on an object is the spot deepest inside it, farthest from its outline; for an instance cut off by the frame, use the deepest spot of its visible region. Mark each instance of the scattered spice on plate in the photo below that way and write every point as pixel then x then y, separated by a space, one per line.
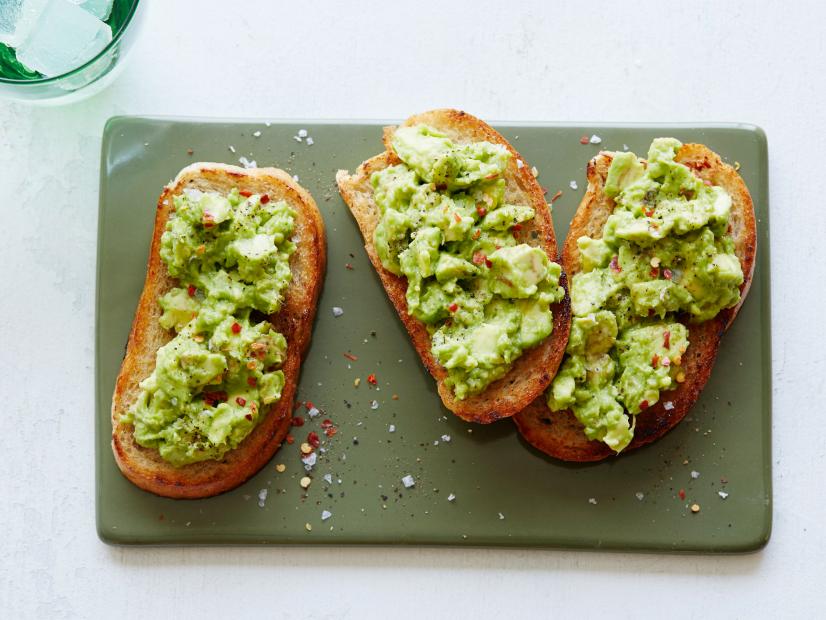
pixel 371 379
pixel 695 508
pixel 350 356
pixel 556 196
pixel 281 468
pixel 305 482
pixel 583 140
pixel 681 493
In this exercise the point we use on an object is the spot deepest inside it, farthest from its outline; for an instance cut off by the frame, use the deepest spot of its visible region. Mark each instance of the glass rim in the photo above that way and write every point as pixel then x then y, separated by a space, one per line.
pixel 115 38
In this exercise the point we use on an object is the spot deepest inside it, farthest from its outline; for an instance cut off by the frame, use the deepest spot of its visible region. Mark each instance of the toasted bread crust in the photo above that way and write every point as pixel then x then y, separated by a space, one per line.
pixel 560 434
pixel 144 466
pixel 533 371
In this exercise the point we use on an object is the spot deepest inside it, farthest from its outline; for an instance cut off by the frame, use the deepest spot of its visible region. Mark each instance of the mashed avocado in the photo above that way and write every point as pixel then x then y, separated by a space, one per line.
pixel 231 256
pixel 665 251
pixel 446 227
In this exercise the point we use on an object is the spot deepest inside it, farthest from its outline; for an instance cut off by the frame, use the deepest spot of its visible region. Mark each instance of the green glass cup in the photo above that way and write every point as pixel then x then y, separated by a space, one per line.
pixel 17 82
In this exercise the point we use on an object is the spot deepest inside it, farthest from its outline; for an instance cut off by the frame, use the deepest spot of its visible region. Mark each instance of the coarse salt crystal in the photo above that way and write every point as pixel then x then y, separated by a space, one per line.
pixel 262 497
pixel 639 495
pixel 624 147
pixel 337 311
pixel 435 442
pixel 297 138
pixel 328 478
pixel 231 148
pixel 446 438
pixel 313 412
pixel 501 517
pixel 451 497
pixel 256 134
pixel 595 139
pixel 302 133
pixel 695 474
pixel 310 141
pixel 592 500
pixel 722 494
pixel 374 404
pixel 309 460
pixel 408 481
pixel 668 405
pixel 326 514
pixel 573 185
pixel 248 163
pixel 391 428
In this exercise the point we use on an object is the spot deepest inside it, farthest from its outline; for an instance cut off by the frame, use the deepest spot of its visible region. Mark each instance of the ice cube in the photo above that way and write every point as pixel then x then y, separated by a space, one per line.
pixel 99 8
pixel 63 38
pixel 17 18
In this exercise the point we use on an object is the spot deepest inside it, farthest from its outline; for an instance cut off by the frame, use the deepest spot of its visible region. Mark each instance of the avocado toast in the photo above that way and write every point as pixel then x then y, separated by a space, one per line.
pixel 205 391
pixel 460 234
pixel 660 255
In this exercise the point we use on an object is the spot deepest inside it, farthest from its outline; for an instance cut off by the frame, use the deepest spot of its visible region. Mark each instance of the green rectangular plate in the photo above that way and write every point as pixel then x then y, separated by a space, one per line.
pixel 505 492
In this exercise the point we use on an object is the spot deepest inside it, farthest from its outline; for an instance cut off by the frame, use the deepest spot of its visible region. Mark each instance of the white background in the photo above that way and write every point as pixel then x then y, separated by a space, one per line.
pixel 582 61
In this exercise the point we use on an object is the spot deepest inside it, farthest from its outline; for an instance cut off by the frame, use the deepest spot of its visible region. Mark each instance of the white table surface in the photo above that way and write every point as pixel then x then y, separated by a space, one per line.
pixel 584 61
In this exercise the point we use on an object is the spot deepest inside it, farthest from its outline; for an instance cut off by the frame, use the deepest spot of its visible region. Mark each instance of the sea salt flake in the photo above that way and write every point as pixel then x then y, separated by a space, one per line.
pixel 309 460
pixel 310 141
pixel 695 474
pixel 391 428
pixel 446 438
pixel 313 412
pixel 520 164
pixel 328 478
pixel 337 311
pixel 248 163
pixel 374 404
pixel 595 139
pixel 256 134
pixel 326 514
pixel 501 517
pixel 302 133
pixel 722 494
pixel 573 185
pixel 295 178
pixel 297 138
pixel 231 148
pixel 668 405
pixel 451 497
pixel 592 500
pixel 408 481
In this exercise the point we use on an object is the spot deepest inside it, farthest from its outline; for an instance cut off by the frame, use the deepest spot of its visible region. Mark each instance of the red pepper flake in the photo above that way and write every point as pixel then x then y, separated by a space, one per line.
pixel 309 404
pixel 213 398
pixel 252 381
pixel 453 307
pixel 371 379
pixel 516 227
pixel 297 421
pixel 655 360
pixel 480 258
pixel 667 339
pixel 655 272
pixel 326 423
pixel 681 493
pixel 236 328
pixel 350 356
pixel 476 234
pixel 648 212
pixel 290 439
pixel 457 218
pixel 265 198
pixel 615 266
pixel 241 401
pixel 191 290
pixel 584 140
pixel 313 439
pixel 644 405
pixel 348 266
pixel 481 210
pixel 248 416
pixel 330 431
pixel 667 273
pixel 245 193
pixel 556 196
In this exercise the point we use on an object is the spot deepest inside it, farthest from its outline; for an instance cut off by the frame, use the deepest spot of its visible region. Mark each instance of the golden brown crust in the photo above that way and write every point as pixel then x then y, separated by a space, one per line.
pixel 560 434
pixel 533 371
pixel 144 466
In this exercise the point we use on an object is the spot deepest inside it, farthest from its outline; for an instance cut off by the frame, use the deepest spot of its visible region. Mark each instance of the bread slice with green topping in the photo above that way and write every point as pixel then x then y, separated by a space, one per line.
pixel 144 466
pixel 559 433
pixel 533 370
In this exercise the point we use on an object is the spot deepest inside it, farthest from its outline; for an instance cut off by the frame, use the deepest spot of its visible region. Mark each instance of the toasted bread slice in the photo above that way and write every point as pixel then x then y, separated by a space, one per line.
pixel 533 371
pixel 144 466
pixel 560 434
